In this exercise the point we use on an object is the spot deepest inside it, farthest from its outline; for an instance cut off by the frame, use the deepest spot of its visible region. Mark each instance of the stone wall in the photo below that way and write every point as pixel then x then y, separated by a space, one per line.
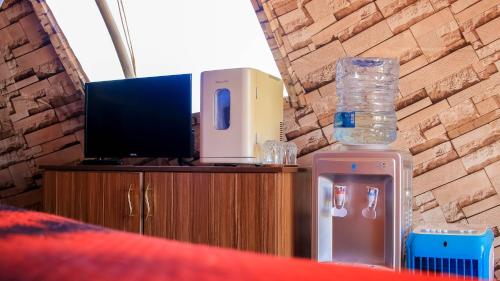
pixel 448 105
pixel 41 100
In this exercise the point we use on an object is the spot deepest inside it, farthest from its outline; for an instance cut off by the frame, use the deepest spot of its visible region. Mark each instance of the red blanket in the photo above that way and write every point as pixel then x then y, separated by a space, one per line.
pixel 36 246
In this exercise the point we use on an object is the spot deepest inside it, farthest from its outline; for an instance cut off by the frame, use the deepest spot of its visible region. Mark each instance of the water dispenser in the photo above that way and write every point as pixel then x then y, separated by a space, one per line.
pixel 361 206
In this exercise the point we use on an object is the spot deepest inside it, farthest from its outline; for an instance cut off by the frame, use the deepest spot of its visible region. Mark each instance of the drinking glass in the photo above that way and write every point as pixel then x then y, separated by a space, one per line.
pixel 273 152
pixel 278 153
pixel 290 153
pixel 267 152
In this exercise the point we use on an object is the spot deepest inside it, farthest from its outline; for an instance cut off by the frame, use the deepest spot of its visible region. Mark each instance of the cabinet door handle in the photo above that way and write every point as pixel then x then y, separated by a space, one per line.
pixel 131 214
pixel 148 205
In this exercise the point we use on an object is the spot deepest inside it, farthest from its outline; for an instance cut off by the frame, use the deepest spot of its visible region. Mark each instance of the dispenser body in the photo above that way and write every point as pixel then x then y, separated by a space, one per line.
pixel 240 110
pixel 361 207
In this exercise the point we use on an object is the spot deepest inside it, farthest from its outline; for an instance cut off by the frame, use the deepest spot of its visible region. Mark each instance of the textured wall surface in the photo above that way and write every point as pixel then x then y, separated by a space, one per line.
pixel 448 105
pixel 41 100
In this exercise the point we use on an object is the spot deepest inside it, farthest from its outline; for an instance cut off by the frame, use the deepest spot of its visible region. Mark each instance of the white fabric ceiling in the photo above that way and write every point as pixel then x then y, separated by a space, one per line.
pixel 169 37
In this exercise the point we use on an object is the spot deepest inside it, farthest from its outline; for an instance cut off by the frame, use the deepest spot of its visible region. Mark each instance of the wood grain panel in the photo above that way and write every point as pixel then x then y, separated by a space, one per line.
pixel 202 207
pixel 284 215
pixel 49 192
pixel 159 187
pixel 181 208
pixel 68 204
pixel 223 219
pixel 117 213
pixel 249 213
pixel 302 213
pixel 89 188
pixel 268 206
pixel 191 207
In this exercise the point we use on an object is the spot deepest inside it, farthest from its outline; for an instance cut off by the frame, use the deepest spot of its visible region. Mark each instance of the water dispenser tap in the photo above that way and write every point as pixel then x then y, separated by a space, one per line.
pixel 369 212
pixel 339 200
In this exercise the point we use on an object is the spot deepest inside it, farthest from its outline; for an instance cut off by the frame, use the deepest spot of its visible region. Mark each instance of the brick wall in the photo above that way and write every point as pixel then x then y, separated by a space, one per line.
pixel 41 100
pixel 448 106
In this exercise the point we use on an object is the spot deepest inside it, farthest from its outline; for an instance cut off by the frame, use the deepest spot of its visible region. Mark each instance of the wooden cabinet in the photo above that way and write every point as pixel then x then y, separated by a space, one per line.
pixel 259 209
pixel 109 199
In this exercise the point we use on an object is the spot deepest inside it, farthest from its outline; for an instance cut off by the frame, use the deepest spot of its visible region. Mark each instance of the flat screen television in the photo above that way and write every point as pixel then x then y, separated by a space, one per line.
pixel 139 117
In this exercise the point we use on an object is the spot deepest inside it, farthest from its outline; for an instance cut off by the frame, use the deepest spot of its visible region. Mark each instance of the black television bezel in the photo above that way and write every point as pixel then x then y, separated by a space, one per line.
pixel 130 155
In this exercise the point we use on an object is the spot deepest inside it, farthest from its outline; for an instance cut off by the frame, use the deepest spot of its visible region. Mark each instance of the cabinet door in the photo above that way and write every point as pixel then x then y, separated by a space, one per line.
pixel 251 207
pixel 89 188
pixel 60 195
pixel 179 206
pixel 223 211
pixel 264 214
pixel 67 203
pixel 110 199
pixel 192 207
pixel 158 202
pixel 122 201
pixel 49 191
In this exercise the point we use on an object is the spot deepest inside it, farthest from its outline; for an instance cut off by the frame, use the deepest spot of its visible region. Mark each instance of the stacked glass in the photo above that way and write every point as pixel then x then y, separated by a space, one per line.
pixel 279 153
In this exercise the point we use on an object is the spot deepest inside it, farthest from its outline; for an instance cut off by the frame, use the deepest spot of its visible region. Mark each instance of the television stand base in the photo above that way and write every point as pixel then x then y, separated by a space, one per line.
pixel 101 161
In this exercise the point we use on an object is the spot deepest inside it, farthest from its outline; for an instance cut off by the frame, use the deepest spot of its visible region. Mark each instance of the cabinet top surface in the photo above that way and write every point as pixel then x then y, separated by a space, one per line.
pixel 179 169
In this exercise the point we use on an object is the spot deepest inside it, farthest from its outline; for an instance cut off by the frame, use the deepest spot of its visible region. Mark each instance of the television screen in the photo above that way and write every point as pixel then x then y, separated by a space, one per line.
pixel 140 117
